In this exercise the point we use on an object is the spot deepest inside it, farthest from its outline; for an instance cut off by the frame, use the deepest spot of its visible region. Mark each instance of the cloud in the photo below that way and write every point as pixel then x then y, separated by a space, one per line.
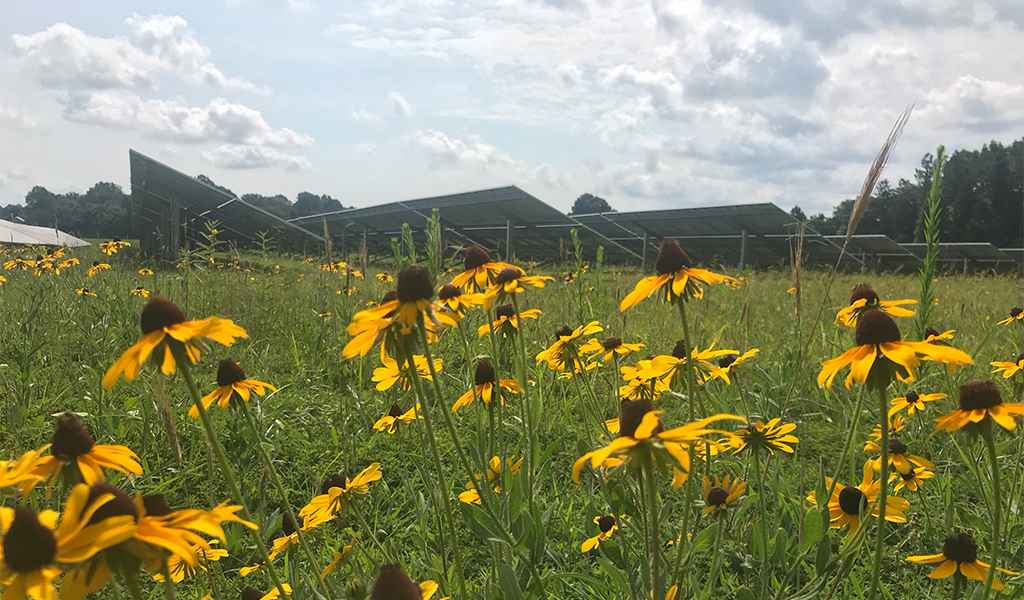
pixel 447 152
pixel 976 105
pixel 298 5
pixel 17 119
pixel 220 120
pixel 569 74
pixel 400 104
pixel 363 115
pixel 235 156
pixel 665 89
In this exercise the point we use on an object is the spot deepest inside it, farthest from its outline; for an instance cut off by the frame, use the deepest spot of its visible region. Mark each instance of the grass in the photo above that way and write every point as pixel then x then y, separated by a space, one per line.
pixel 56 345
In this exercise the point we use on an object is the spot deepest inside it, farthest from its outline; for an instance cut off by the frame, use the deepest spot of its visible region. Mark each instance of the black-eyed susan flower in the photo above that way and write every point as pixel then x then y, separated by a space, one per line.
pixel 34 546
pixel 231 380
pixel 180 569
pixel 338 490
pixel 85 292
pixel 73 444
pixel 564 353
pixel 96 267
pixel 385 277
pixel 163 325
pixel 394 584
pixel 494 475
pixel 609 348
pixel 308 260
pixel 141 292
pixel 770 436
pixel 933 335
pixel 606 525
pixel 980 399
pixel 251 593
pixel 479 272
pixel 848 505
pixel 896 425
pixel 720 495
pixel 21 473
pixel 68 263
pixel 642 381
pixel 289 538
pixel 145 271
pixel 703 362
pixel 913 402
pixel 456 301
pixel 333 267
pixel 879 354
pixel 728 362
pixel 389 423
pixel 339 554
pixel 3 280
pixel 506 322
pixel 679 279
pixel 111 247
pixel 899 456
pixel 912 479
pixel 959 553
pixel 1016 314
pixel 483 386
pixel 389 373
pixel 19 263
pixel 1009 369
pixel 863 299
pixel 511 280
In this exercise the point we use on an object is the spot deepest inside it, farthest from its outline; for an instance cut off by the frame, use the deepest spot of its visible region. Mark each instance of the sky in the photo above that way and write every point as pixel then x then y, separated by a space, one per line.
pixel 660 104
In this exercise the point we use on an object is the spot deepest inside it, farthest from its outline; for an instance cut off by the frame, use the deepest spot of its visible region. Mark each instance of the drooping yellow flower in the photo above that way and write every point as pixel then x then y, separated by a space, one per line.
pixel 863 299
pixel 609 348
pixel 337 491
pixel 141 292
pixel 163 325
pixel 289 538
pixel 1009 369
pixel 1016 314
pixel 231 380
pixel 959 553
pixel 564 353
pixel 506 323
pixel 85 292
pixel 676 275
pixel 899 456
pixel 848 505
pixel 338 555
pixel 511 280
pixel 179 569
pixel 479 272
pixel 96 267
pixel 250 593
pixel 390 421
pixel 607 525
pixel 21 473
pixel 483 386
pixel 770 436
pixel 978 400
pixel 667 366
pixel 456 301
pixel 720 495
pixel 642 381
pixel 728 362
pixel 913 402
pixel 389 373
pixel 145 271
pixel 911 480
pixel 896 424
pixel 73 444
pixel 879 354
pixel 494 475
pixel 111 247
pixel 384 277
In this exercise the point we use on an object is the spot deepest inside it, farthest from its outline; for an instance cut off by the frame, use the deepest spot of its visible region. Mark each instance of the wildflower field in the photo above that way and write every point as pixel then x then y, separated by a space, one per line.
pixel 253 425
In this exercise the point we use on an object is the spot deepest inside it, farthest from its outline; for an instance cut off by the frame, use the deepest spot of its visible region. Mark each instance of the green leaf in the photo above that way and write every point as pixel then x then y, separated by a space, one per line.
pixel 813 530
pixel 510 584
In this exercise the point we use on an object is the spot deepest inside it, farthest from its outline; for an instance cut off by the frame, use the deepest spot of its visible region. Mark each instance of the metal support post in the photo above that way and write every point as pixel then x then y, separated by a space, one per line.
pixel 743 251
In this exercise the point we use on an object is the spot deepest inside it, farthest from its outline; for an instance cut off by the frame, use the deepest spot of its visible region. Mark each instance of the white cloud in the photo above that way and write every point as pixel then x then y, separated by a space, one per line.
pixel 975 104
pixel 400 104
pixel 17 119
pixel 665 88
pixel 444 151
pixel 569 74
pixel 299 5
pixel 366 148
pixel 234 156
pixel 363 115
pixel 220 120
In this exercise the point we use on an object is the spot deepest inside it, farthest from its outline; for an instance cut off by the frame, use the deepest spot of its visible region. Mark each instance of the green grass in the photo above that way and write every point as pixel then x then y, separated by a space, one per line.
pixel 55 346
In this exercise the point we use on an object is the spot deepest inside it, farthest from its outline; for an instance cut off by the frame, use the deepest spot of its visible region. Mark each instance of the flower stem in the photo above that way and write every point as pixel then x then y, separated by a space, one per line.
pixel 957 582
pixel 709 587
pixel 765 573
pixel 652 498
pixel 997 510
pixel 289 513
pixel 527 406
pixel 185 365
pixel 168 583
pixel 131 581
pixel 883 493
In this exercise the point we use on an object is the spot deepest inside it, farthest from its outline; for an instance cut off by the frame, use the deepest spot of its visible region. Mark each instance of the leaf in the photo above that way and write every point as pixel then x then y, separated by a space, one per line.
pixel 813 530
pixel 510 584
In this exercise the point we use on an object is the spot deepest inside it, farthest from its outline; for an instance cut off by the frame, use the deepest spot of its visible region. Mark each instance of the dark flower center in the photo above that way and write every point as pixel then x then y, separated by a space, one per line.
pixel 251 594
pixel 631 413
pixel 850 499
pixel 717 496
pixel 394 584
pixel 159 313
pixel 565 331
pixel 85 290
pixel 606 523
pixel 864 292
pixel 449 291
pixel 896 446
pixel 287 527
pixel 876 327
pixel 70 439
pixel 726 361
pixel 679 351
pixel 909 475
pixel 484 373
pixel 1021 357
pixel 28 545
pixel 396 411
pixel 156 505
pixel 929 332
pixel 414 284
pixel 388 297
pixel 336 480
pixel 475 257
pixel 912 397
pixel 961 548
pixel 228 372
pixel 505 310
pixel 979 394
pixel 121 505
pixel 611 343
pixel 95 263
pixel 508 274
pixel 1015 311
pixel 671 258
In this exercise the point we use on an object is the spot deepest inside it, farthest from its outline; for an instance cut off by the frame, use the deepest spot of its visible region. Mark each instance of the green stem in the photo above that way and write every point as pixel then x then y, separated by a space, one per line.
pixel 369 532
pixel 185 365
pixel 658 590
pixel 691 384
pixel 131 581
pixel 168 583
pixel 883 414
pixel 997 510
pixel 527 407
pixel 276 478
pixel 957 582
pixel 765 574
pixel 709 587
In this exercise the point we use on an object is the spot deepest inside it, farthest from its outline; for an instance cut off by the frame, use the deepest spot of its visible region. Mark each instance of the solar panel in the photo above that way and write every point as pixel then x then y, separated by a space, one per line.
pixel 878 251
pixel 980 255
pixel 169 207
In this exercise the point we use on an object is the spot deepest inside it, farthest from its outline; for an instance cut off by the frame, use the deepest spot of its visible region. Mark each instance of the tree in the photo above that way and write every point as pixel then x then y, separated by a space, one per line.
pixel 797 213
pixel 278 205
pixel 310 204
pixel 589 204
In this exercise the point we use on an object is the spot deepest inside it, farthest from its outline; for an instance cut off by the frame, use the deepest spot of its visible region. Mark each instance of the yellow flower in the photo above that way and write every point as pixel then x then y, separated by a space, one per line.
pixel 179 569
pixel 610 347
pixel 768 436
pixel 863 299
pixel 390 421
pixel 879 354
pixel 607 524
pixel 308 260
pixel 959 552
pixel 479 272
pixel 3 280
pixel 96 267
pixel 112 247
pixel 164 324
pixel 338 490
pixel 33 545
pixel 898 456
pixel 84 292
pixel 291 537
pixel 1016 314
pixel 145 271
pixel 896 425
pixel 385 277
pixel 338 555
pixel 912 479
pixel 483 386
pixel 506 322
pixel 722 493
pixel 456 301
pixel 673 266
pixel 231 380
pixel 389 373
pixel 667 366
pixel 729 362
pixel 140 292
pixel 511 280
pixel 72 443
pixel 642 381
pixel 494 474
pixel 1009 369
pixel 565 351
pixel 848 505
pixel 979 399
pixel 21 473
pixel 254 594
pixel 913 402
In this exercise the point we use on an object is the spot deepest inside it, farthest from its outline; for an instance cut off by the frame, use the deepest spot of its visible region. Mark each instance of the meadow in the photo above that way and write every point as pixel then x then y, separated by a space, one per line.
pixel 649 523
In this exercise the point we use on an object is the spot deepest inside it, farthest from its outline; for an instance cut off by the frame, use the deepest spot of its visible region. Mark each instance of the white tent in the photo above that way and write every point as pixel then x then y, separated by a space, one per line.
pixel 19 233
